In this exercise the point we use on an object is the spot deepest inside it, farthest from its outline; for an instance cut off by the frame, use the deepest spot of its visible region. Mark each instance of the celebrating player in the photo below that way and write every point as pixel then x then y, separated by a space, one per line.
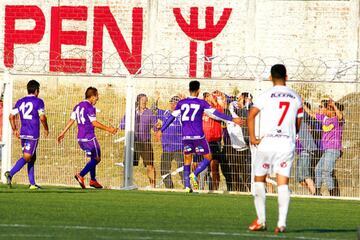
pixel 280 111
pixel 191 110
pixel 32 111
pixel 84 114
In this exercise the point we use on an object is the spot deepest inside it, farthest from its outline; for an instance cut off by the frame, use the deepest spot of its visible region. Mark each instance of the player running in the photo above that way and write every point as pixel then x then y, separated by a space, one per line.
pixel 32 111
pixel 84 114
pixel 273 147
pixel 191 110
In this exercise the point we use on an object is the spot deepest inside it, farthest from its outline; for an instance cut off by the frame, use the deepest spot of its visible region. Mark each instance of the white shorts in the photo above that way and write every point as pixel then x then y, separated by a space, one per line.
pixel 265 163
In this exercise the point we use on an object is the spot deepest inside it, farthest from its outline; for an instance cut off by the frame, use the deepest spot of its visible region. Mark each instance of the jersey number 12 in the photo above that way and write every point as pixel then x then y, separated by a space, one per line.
pixel 26 108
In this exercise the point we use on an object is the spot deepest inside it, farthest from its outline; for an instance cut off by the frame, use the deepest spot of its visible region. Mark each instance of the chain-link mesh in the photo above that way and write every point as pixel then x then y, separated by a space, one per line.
pixel 314 79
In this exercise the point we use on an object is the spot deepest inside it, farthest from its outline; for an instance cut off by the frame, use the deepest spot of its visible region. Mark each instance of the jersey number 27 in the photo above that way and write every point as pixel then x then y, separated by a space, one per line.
pixel 186 108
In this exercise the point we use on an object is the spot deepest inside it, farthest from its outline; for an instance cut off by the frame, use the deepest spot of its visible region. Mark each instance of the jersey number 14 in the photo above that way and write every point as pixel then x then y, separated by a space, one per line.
pixel 80 115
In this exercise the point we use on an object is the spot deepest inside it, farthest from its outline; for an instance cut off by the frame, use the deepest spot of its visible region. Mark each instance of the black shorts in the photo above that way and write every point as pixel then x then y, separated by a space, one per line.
pixel 145 151
pixel 215 149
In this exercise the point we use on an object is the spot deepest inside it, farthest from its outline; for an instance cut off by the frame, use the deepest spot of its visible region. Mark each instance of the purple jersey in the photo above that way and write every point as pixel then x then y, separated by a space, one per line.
pixel 191 110
pixel 84 114
pixel 30 109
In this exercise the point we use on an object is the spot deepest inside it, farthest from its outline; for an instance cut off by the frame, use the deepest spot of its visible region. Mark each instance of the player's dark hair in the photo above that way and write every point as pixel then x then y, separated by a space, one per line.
pixel 194 86
pixel 32 86
pixel 278 72
pixel 90 91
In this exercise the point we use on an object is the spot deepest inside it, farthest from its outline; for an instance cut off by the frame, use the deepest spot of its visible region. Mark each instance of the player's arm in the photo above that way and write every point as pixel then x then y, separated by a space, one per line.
pixel 168 121
pixel 43 120
pixel 299 116
pixel 67 127
pixel 101 126
pixel 213 113
pixel 12 118
pixel 91 114
pixel 251 125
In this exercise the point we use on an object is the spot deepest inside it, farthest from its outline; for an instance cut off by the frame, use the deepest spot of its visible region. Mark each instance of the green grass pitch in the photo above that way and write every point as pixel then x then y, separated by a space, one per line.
pixel 71 213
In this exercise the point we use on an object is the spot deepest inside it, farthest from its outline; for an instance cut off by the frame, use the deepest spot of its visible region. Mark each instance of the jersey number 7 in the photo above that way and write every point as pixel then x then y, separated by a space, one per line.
pixel 281 105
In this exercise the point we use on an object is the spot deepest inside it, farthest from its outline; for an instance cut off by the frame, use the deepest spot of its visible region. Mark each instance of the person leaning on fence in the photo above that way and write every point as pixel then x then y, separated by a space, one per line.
pixel 240 108
pixel 306 149
pixel 213 134
pixel 332 120
pixel 144 122
pixel 171 141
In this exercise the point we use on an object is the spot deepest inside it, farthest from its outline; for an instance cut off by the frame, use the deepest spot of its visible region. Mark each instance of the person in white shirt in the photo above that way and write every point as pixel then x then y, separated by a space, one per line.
pixel 279 110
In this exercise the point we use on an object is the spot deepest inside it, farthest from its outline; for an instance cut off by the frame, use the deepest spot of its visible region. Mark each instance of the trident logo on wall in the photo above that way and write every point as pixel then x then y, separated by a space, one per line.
pixel 205 35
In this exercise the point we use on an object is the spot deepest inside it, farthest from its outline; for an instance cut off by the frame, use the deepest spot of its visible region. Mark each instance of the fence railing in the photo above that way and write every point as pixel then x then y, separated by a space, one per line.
pixel 170 65
pixel 314 79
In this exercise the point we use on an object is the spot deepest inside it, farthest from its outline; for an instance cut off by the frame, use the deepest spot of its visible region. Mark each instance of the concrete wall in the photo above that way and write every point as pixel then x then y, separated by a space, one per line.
pixel 126 33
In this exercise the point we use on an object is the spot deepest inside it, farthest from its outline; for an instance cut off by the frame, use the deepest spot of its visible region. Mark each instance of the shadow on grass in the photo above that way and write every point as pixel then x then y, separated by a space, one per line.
pixel 24 189
pixel 319 230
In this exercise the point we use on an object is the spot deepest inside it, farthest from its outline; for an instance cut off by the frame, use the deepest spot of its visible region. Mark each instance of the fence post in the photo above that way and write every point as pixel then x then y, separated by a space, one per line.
pixel 6 130
pixel 129 134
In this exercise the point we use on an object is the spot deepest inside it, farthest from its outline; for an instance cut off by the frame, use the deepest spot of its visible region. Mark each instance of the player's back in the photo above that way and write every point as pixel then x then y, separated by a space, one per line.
pixel 84 114
pixel 30 108
pixel 192 110
pixel 279 107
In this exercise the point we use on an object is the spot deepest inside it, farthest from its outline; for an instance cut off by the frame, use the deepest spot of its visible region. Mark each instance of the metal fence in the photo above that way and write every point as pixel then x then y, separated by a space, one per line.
pixel 160 78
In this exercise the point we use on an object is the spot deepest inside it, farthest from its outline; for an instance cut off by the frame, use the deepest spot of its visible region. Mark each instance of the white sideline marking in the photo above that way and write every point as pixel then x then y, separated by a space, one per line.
pixel 26 235
pixel 114 229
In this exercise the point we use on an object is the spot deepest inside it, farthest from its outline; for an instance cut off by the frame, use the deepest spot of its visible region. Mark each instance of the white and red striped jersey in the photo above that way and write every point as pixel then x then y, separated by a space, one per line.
pixel 279 107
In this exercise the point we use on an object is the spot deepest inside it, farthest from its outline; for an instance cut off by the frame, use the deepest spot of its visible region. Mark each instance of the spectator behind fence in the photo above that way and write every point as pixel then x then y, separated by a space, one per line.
pixel 144 121
pixel 171 141
pixel 242 165
pixel 213 134
pixel 306 149
pixel 332 120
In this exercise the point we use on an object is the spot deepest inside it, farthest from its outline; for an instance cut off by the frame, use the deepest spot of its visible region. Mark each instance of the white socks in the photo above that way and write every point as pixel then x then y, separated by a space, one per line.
pixel 259 200
pixel 283 201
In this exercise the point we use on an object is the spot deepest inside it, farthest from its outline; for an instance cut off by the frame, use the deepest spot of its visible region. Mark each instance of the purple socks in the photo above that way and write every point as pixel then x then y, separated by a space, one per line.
pixel 88 167
pixel 31 174
pixel 93 172
pixel 18 166
pixel 201 167
pixel 186 176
